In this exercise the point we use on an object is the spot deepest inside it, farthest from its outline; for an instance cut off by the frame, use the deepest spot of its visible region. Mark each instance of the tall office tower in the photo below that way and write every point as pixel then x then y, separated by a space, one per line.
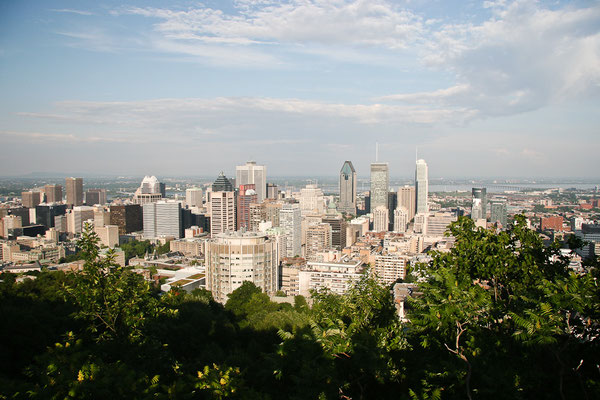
pixel 74 188
pixel 162 218
pixel 400 219
pixel 272 191
pixel 392 205
pixel 150 191
pixel 406 199
pixel 498 213
pixel 233 258
pixel 95 196
pixel 421 187
pixel 252 174
pixel 53 193
pixel 258 214
pixel 338 231
pixel 193 197
pixel 77 216
pixel 222 184
pixel 479 206
pixel 31 199
pixel 222 205
pixel 127 217
pixel 290 221
pixel 348 189
pixel 380 182
pixel 46 213
pixel 318 239
pixel 381 219
pixel 312 200
pixel 246 196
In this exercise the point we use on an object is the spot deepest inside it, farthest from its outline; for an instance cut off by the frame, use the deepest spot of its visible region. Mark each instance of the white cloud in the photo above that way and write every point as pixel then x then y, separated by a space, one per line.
pixel 72 11
pixel 359 22
pixel 523 58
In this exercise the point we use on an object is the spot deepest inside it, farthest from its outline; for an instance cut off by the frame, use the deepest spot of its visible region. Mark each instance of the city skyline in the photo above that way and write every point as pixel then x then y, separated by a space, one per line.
pixel 157 88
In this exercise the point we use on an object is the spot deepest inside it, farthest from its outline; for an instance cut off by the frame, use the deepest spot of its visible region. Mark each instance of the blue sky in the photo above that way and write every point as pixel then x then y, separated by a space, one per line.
pixel 494 88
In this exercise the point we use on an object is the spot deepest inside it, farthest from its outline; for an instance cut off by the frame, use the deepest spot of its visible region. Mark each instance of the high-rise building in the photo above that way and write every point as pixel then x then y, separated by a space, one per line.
pixel 222 184
pixel 46 213
pixel 498 213
pixel 407 199
pixel 272 191
pixel 290 221
pixel 222 206
pixel 258 214
pixel 74 188
pixel 272 213
pixel 381 219
pixel 233 258
pixel 252 174
pixel 31 199
pixel 150 191
pixel 338 231
pixel 380 183
pixel 348 189
pixel 127 217
pixel 479 205
pixel 421 187
pixel 400 219
pixel 246 196
pixel 312 200
pixel 53 193
pixel 162 219
pixel 108 235
pixel 318 239
pixel 193 197
pixel 77 216
pixel 95 196
pixel 392 205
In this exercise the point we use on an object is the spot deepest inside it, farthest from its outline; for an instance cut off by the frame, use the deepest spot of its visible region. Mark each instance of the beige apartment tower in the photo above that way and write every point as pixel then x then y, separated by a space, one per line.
pixel 233 258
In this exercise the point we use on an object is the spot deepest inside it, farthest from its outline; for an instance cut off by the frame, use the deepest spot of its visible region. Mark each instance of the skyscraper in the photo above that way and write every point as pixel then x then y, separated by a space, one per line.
pixel 150 191
pixel 318 239
pixel 348 189
pixel 162 218
pixel 421 187
pixel 74 187
pixel 290 222
pixel 53 193
pixel 479 205
pixel 222 184
pixel 31 199
pixel 95 196
pixel 498 213
pixel 222 217
pixel 252 174
pixel 407 199
pixel 312 200
pixel 246 196
pixel 400 219
pixel 380 182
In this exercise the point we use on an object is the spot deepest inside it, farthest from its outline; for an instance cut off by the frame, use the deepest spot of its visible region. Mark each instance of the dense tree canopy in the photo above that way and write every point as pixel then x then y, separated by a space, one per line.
pixel 498 316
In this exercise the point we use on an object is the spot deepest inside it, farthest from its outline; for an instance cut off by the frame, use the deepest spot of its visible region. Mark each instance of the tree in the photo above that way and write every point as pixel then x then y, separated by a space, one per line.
pixel 114 301
pixel 498 297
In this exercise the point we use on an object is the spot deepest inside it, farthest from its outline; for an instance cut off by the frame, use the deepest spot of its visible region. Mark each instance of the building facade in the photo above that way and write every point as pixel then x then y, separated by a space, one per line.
pixel 233 258
pixel 421 187
pixel 255 175
pixel 74 188
pixel 348 189
pixel 380 182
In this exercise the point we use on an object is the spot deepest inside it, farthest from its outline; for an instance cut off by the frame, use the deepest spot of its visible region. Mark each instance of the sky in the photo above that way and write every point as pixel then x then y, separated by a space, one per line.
pixel 476 88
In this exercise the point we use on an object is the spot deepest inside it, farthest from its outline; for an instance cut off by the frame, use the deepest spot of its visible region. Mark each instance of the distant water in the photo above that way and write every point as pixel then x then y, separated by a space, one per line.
pixel 499 188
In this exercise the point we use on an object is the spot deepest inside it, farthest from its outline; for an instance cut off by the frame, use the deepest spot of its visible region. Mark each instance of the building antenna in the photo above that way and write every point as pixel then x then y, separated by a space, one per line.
pixel 376 152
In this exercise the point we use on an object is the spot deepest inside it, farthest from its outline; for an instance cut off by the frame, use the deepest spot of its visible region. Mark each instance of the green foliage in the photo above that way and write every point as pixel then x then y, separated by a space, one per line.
pixel 113 301
pixel 136 248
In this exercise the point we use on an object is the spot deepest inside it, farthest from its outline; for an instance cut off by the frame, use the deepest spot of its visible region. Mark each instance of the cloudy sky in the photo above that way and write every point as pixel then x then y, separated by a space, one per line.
pixel 482 89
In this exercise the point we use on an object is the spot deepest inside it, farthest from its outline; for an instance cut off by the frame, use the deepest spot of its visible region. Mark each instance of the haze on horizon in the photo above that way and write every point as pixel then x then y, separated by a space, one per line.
pixel 487 89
